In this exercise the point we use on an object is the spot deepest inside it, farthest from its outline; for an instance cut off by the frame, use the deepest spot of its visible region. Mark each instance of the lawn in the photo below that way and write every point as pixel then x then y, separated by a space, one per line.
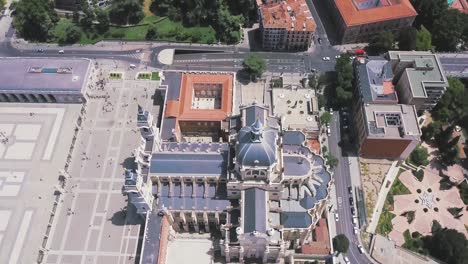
pixel 167 30
pixel 155 76
pixel 398 188
pixel 144 76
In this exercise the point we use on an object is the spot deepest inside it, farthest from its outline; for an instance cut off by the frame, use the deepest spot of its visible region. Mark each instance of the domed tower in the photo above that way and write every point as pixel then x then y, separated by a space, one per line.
pixel 256 152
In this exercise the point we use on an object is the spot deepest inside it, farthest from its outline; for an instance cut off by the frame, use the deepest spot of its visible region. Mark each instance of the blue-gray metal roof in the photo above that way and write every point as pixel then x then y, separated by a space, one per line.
pixel 172 80
pixel 371 76
pixel 255 211
pixel 168 124
pixel 215 200
pixel 150 248
pixel 293 138
pixel 296 165
pixel 251 152
pixel 35 75
pixel 295 219
pixel 253 113
pixel 180 163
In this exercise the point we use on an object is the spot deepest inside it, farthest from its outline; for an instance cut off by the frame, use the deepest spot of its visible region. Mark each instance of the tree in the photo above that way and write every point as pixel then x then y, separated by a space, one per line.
pixel 463 188
pixel 382 42
pixel 35 19
pixel 448 29
pixel 429 131
pixel 453 106
pixel 88 18
pixel 72 35
pixel 76 15
pixel 428 12
pixel 124 12
pixel 448 153
pixel 103 21
pixel 152 33
pixel 424 39
pixel 419 156
pixel 254 65
pixel 447 245
pixel 344 81
pixel 331 160
pixel 407 38
pixel 341 243
pixel 325 118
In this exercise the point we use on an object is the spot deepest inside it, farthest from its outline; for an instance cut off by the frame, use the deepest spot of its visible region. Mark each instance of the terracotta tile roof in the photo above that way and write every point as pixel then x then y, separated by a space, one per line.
pixel 183 110
pixel 321 243
pixel 388 10
pixel 314 145
pixel 293 15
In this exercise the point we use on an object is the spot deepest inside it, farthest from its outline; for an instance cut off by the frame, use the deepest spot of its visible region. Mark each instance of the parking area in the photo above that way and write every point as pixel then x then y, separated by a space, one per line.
pixel 34 144
pixel 92 224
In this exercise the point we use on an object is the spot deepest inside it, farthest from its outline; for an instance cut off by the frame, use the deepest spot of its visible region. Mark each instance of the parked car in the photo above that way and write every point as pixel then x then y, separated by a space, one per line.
pixel 326 58
pixel 360 249
pixel 355 230
pixel 328 131
pixel 40 50
pixel 337 56
pixel 353 212
pixel 350 190
pixel 346 259
pixel 351 201
pixel 336 217
pixel 354 221
pixel 61 51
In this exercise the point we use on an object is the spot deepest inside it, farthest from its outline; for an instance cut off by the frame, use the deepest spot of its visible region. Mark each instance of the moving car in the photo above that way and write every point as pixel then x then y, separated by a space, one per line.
pixel 61 51
pixel 337 56
pixel 326 58
pixel 336 217
pixel 328 131
pixel 40 50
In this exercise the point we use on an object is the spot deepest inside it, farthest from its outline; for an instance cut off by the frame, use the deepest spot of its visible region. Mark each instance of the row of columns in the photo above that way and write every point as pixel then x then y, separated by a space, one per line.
pixel 193 216
pixel 28 98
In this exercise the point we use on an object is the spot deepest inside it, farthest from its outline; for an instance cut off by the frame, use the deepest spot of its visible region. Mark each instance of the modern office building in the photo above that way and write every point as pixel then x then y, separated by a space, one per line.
pixel 389 131
pixel 261 187
pixel 285 25
pixel 361 20
pixel 419 78
pixel 44 80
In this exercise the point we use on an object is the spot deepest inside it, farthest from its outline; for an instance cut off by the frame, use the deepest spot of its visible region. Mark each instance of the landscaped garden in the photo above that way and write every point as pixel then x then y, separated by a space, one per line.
pixel 155 76
pixel 115 76
pixel 144 76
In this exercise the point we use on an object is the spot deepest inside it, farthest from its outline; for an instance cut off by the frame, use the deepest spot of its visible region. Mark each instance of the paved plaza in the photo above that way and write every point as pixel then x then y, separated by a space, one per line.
pixel 199 249
pixel 34 143
pixel 428 203
pixel 92 225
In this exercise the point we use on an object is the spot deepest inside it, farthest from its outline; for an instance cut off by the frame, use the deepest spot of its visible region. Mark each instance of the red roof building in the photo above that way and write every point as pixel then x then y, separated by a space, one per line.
pixel 286 24
pixel 361 20
pixel 321 240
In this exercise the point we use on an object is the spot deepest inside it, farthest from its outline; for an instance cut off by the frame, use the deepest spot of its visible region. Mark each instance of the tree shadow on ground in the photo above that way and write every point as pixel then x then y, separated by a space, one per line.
pixel 243 77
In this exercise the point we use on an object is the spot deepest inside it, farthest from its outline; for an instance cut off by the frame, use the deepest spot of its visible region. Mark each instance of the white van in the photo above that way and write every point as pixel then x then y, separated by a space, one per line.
pixel 132 66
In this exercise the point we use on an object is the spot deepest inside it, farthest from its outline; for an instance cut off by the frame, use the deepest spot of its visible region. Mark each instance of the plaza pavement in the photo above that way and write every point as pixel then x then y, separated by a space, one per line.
pixel 429 203
pixel 34 144
pixel 92 225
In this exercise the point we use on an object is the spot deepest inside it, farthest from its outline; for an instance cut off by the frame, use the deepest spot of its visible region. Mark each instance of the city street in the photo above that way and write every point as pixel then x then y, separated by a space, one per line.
pixel 342 182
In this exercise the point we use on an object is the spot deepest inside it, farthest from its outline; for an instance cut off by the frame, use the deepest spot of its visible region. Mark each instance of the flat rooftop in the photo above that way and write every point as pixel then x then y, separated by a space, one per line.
pixel 359 12
pixel 424 71
pixel 391 121
pixel 292 15
pixel 297 107
pixel 375 81
pixel 54 75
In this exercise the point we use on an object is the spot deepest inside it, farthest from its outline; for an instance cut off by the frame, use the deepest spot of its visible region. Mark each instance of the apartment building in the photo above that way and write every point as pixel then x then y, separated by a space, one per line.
pixel 419 78
pixel 360 20
pixel 384 128
pixel 389 131
pixel 285 25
